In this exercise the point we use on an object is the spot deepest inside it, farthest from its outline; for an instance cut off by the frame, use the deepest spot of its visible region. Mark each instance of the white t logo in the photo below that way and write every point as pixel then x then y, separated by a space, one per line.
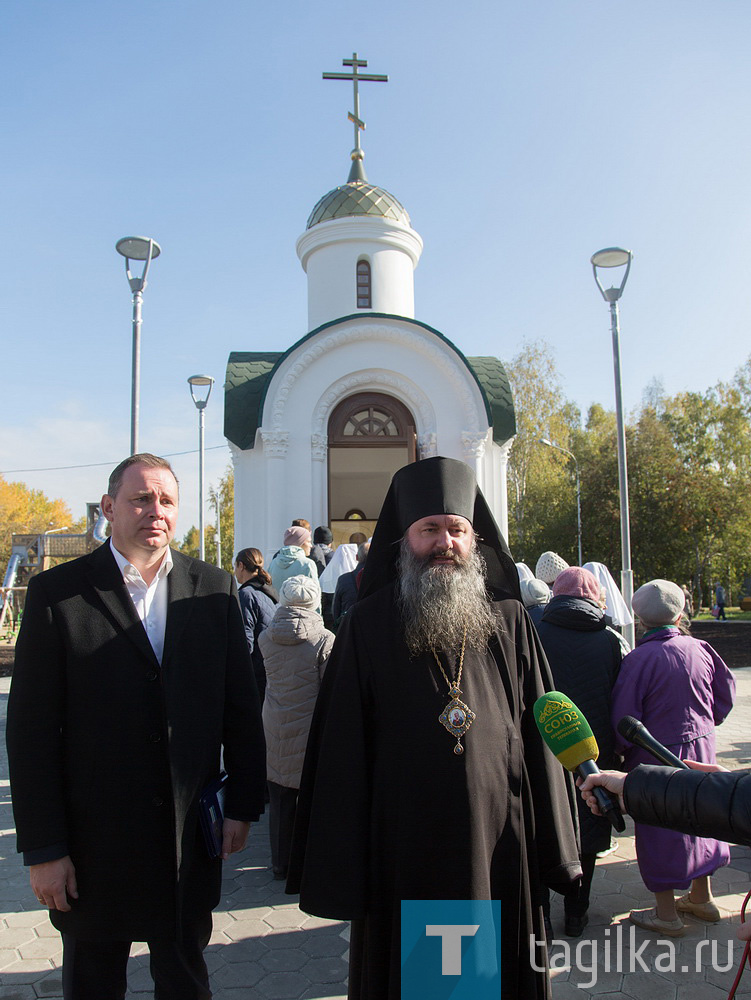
pixel 451 944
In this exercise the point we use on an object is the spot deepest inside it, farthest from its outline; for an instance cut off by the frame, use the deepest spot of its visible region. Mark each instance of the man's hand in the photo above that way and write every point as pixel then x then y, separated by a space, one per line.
pixel 696 765
pixel 50 881
pixel 234 835
pixel 612 781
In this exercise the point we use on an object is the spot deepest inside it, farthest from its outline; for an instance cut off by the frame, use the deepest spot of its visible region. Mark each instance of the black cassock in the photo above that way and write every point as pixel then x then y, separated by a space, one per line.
pixel 388 811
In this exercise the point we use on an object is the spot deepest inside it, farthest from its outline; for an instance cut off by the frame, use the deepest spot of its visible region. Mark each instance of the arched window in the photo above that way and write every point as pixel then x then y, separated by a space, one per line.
pixel 363 285
pixel 369 419
pixel 371 435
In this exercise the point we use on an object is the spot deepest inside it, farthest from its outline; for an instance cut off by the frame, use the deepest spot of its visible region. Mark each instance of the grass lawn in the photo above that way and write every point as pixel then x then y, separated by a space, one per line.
pixel 733 615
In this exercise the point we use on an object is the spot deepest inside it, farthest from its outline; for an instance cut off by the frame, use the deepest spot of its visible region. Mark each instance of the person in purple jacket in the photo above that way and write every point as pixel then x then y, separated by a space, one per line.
pixel 680 689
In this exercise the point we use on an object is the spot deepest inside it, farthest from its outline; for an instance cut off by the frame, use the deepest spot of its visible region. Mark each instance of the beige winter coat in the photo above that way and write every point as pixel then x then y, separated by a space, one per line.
pixel 295 648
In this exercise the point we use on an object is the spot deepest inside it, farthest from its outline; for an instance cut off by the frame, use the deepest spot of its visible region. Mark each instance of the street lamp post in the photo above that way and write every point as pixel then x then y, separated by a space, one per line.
pixel 200 384
pixel 215 496
pixel 578 491
pixel 145 249
pixel 617 257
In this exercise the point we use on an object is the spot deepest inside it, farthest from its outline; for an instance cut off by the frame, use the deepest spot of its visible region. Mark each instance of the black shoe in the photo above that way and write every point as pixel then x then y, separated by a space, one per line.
pixel 575 925
pixel 280 874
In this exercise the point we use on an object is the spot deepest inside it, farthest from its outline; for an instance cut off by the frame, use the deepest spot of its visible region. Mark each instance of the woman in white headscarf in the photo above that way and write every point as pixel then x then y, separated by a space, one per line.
pixel 615 607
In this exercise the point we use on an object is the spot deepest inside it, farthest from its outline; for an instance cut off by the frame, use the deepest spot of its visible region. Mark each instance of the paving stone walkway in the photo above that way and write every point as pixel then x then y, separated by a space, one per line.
pixel 264 948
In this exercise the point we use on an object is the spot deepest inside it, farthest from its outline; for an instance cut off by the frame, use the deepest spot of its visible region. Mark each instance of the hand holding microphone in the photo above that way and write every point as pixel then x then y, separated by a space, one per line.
pixel 568 734
pixel 637 733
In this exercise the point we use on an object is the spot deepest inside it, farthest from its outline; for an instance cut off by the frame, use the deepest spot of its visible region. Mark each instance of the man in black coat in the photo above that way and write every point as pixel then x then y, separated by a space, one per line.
pixel 425 777
pixel 131 674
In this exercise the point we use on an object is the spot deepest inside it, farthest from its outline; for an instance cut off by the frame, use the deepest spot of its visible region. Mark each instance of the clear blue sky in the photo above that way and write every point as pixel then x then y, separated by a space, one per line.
pixel 520 138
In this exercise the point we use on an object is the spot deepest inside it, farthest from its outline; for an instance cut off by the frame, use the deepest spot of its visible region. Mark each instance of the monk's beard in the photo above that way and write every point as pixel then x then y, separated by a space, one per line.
pixel 438 602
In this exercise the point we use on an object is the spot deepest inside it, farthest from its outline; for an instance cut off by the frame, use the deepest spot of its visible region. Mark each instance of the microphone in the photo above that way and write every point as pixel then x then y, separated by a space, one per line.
pixel 569 736
pixel 638 734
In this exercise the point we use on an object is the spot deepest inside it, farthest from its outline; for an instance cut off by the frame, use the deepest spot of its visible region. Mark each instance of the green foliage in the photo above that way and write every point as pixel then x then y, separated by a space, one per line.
pixel 541 479
pixel 689 474
pixel 225 494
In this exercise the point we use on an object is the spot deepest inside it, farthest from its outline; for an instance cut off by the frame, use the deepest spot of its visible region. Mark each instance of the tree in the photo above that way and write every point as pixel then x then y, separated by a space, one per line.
pixel 542 502
pixel 27 511
pixel 712 439
pixel 597 450
pixel 225 492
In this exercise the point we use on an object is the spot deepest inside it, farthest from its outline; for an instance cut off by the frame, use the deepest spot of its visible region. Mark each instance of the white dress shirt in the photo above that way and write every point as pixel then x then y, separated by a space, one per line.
pixel 150 600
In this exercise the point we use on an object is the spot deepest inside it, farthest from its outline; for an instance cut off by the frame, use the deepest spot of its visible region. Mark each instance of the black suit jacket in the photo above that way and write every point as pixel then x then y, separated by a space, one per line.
pixel 109 751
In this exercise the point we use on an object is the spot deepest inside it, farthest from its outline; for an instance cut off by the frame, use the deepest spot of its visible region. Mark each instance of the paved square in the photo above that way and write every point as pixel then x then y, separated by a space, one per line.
pixel 264 948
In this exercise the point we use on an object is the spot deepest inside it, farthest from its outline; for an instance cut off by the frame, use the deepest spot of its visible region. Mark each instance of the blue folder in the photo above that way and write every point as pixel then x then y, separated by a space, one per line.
pixel 211 812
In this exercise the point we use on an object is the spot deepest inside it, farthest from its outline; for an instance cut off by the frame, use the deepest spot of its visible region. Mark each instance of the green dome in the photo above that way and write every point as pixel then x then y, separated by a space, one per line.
pixel 358 198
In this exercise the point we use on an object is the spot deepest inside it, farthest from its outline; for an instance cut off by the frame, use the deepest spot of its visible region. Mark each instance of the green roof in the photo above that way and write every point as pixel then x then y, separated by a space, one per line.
pixel 496 389
pixel 244 390
pixel 358 198
pixel 249 374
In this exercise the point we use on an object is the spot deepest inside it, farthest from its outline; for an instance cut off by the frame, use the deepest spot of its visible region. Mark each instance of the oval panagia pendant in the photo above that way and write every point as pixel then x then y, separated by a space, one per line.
pixel 456 718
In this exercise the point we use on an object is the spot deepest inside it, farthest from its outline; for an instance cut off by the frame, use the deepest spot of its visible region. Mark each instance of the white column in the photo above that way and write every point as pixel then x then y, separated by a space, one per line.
pixel 275 445
pixel 319 449
pixel 473 450
pixel 504 451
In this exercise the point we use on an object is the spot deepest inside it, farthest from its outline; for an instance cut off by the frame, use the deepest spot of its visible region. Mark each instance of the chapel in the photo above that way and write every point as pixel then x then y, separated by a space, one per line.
pixel 318 430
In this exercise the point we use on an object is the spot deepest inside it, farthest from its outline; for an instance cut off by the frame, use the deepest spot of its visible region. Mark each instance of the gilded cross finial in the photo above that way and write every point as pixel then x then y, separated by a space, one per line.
pixel 356 78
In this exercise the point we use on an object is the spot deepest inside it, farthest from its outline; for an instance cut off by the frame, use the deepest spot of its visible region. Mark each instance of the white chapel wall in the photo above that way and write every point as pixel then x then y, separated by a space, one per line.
pixel 285 475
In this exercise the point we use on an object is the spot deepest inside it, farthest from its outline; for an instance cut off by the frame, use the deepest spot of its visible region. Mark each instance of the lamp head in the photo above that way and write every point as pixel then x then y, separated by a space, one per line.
pixel 138 248
pixel 611 257
pixel 200 389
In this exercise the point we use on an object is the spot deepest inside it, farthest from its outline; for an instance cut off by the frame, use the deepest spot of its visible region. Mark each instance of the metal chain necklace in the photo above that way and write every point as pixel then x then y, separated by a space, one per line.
pixel 456 717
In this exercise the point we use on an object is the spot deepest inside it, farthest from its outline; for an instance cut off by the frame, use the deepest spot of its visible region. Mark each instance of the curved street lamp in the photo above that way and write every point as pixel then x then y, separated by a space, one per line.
pixel 618 257
pixel 145 249
pixel 578 491
pixel 200 390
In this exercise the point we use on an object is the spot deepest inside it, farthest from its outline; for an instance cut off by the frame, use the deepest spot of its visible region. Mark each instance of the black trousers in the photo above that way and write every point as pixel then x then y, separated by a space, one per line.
pixel 96 970
pixel 282 809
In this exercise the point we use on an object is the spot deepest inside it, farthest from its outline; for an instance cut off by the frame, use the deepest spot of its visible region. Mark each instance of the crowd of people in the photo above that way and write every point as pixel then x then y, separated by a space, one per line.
pixel 677 686
pixel 378 697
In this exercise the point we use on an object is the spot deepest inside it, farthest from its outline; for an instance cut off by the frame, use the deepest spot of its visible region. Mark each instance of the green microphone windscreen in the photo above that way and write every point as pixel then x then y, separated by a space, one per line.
pixel 565 730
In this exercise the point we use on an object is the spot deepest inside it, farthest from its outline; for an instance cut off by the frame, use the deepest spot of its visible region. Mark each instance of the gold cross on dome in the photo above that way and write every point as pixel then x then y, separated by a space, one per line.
pixel 355 63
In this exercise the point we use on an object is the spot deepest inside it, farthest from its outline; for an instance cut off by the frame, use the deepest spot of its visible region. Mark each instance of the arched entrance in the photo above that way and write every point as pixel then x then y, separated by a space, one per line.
pixel 370 436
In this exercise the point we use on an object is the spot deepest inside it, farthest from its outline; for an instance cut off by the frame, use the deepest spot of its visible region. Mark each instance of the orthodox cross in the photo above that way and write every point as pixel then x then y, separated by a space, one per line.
pixel 356 77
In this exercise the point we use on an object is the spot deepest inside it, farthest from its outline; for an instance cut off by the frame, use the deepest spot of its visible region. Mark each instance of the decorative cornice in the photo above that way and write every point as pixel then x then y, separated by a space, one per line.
pixel 428 445
pixel 473 443
pixel 505 449
pixel 275 443
pixel 463 386
pixel 403 389
pixel 358 229
pixel 319 444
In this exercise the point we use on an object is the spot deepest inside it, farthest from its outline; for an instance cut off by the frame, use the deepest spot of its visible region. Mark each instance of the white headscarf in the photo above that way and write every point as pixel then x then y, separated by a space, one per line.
pixel 615 606
pixel 525 573
pixel 343 560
